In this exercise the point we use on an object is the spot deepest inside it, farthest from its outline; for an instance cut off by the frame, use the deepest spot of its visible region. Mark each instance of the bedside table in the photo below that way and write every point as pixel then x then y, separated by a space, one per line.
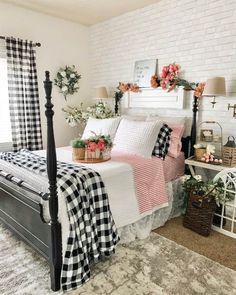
pixel 193 163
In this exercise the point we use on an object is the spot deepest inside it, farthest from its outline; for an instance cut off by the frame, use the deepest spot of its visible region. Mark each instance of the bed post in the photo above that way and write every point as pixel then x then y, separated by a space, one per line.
pixel 194 125
pixel 56 248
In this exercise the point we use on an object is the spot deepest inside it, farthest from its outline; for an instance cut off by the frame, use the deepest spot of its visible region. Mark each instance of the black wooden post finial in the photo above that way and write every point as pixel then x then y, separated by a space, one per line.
pixel 56 251
pixel 194 124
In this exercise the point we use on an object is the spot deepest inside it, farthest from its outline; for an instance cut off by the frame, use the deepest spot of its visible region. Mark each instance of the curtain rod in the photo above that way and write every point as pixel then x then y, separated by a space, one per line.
pixel 36 44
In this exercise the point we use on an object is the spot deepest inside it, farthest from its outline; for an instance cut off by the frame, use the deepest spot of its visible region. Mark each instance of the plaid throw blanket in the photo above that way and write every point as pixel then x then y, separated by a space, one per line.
pixel 92 230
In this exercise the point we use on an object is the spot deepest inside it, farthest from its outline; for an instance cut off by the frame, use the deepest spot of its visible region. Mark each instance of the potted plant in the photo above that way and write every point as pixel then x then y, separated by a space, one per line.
pixel 202 197
pixel 78 146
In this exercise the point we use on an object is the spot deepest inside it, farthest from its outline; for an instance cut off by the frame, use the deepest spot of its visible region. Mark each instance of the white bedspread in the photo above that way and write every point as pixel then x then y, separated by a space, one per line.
pixel 118 179
pixel 119 183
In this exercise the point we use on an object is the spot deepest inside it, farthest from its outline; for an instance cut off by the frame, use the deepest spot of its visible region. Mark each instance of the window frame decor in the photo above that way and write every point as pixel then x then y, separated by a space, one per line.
pixel 155 98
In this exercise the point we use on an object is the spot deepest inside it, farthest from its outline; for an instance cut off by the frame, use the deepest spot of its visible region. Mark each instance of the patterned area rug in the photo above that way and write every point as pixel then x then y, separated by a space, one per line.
pixel 155 266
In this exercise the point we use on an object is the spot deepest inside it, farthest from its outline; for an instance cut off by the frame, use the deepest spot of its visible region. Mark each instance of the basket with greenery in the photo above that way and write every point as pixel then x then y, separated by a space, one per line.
pixel 78 143
pixel 202 197
pixel 78 146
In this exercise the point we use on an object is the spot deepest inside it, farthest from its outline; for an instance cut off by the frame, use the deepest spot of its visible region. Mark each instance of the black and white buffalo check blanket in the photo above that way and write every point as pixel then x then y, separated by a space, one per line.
pixel 92 231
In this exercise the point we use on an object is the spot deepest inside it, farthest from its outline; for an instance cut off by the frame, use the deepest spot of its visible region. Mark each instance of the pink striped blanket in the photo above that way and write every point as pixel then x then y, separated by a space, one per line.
pixel 149 177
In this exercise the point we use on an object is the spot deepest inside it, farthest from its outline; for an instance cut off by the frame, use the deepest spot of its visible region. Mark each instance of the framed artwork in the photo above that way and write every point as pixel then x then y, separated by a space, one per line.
pixel 206 135
pixel 143 70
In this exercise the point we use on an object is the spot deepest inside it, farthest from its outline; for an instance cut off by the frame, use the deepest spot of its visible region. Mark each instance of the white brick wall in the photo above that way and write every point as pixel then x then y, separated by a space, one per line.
pixel 200 35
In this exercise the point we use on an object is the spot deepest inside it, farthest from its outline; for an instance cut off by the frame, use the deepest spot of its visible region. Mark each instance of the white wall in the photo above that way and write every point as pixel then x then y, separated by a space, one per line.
pixel 200 35
pixel 62 43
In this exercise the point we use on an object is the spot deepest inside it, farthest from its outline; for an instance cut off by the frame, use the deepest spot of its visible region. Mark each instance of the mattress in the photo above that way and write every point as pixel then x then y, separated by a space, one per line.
pixel 119 181
pixel 174 167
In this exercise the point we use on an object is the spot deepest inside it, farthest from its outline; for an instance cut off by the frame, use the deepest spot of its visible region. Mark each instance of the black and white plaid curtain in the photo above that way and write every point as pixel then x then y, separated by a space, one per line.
pixel 23 95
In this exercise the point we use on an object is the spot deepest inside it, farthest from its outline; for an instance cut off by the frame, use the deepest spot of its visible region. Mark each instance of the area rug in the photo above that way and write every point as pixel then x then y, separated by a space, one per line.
pixel 154 266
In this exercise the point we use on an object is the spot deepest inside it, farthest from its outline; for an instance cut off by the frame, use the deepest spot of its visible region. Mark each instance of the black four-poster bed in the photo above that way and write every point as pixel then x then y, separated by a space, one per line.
pixel 24 216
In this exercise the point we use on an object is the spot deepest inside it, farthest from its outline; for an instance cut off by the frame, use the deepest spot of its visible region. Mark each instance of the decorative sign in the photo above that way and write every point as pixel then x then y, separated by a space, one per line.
pixel 143 70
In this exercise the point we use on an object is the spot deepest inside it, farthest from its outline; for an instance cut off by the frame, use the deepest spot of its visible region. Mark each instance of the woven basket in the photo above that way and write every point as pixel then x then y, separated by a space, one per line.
pixel 199 214
pixel 78 154
pixel 199 153
pixel 229 156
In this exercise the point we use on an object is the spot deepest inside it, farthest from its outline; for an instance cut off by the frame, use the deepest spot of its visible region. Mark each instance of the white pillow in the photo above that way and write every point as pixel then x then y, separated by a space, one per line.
pixel 186 121
pixel 101 126
pixel 137 137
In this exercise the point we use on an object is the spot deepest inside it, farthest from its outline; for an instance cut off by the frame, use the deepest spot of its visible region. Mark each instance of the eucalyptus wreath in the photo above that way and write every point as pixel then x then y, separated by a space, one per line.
pixel 67 79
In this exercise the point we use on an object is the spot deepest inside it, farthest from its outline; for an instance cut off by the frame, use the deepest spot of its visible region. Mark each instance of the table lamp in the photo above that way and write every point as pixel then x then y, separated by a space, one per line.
pixel 214 87
pixel 101 93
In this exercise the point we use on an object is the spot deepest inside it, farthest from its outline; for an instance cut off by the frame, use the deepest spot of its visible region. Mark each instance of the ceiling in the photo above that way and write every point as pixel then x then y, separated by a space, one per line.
pixel 87 12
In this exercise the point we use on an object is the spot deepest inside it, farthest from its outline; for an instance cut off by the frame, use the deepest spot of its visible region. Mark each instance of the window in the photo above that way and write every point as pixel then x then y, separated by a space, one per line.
pixel 5 124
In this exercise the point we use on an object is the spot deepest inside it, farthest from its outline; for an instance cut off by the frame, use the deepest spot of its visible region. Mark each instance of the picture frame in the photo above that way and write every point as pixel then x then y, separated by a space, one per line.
pixel 143 71
pixel 206 135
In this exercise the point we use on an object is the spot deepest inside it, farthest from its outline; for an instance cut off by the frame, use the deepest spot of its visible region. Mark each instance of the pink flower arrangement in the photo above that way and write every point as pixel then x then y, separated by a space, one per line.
pixel 92 146
pixel 154 81
pixel 169 75
pixel 98 142
pixel 124 87
pixel 101 144
pixel 199 89
pixel 169 79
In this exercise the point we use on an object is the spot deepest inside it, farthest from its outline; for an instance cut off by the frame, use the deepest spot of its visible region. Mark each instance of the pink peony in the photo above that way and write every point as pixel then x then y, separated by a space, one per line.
pixel 92 146
pixel 101 144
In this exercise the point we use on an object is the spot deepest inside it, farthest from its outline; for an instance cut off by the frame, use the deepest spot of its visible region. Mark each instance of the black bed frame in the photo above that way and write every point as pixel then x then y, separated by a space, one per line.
pixel 24 216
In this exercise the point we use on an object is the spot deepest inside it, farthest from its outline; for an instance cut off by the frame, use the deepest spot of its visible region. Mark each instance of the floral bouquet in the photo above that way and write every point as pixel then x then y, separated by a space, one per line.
pixel 124 87
pixel 79 115
pixel 100 110
pixel 170 78
pixel 67 79
pixel 98 147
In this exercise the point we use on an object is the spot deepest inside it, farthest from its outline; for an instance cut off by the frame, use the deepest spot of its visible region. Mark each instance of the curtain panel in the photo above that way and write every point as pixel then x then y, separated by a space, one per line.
pixel 23 95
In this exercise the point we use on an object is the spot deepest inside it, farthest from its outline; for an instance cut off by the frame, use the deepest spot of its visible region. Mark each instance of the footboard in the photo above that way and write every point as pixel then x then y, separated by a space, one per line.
pixel 22 214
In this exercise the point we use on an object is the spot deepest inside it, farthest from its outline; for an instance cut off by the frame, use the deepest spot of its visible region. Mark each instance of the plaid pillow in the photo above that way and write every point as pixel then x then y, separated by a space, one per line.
pixel 163 142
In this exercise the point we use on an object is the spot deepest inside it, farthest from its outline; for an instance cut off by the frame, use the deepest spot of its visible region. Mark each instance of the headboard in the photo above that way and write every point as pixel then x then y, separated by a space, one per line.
pixel 150 98
pixel 155 98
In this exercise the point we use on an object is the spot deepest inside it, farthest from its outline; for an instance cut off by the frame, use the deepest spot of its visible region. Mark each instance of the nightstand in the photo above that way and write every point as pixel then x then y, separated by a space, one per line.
pixel 224 216
pixel 193 163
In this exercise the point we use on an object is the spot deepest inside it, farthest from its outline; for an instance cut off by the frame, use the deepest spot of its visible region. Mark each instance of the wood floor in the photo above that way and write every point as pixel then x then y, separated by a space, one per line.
pixel 217 247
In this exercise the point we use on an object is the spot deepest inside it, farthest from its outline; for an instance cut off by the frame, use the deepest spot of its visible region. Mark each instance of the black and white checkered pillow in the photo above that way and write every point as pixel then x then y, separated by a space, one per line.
pixel 163 142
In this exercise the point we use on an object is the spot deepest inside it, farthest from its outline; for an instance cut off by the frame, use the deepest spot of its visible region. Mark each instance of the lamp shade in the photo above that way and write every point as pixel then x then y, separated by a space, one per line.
pixel 215 87
pixel 101 92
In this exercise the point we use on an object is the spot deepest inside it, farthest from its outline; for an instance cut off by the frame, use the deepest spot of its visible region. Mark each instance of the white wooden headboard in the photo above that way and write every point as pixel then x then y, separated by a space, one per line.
pixel 155 98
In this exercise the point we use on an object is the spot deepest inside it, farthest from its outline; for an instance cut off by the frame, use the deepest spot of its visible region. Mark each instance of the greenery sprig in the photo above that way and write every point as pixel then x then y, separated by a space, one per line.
pixel 206 189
